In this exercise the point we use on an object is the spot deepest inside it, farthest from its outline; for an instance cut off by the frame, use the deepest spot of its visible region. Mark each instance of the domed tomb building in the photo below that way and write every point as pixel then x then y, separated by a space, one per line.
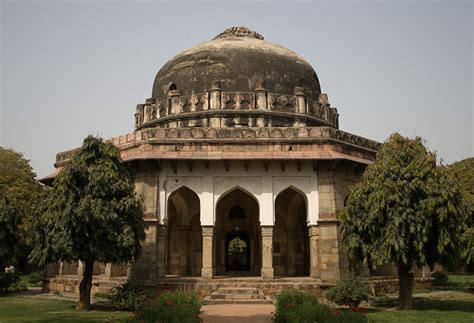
pixel 242 167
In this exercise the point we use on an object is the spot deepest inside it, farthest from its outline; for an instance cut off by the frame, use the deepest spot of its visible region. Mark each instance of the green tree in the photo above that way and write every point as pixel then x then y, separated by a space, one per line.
pixel 91 214
pixel 463 171
pixel 406 210
pixel 20 194
pixel 9 232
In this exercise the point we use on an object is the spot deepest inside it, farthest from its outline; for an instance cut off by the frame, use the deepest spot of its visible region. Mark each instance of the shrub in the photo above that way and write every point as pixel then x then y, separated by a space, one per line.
pixel 172 307
pixel 350 291
pixel 129 296
pixel 18 286
pixel 35 278
pixel 439 278
pixel 8 280
pixel 288 301
pixel 300 307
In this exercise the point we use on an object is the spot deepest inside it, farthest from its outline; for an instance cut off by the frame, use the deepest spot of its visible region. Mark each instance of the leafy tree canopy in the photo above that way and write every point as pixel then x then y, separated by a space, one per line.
pixel 463 171
pixel 91 213
pixel 20 194
pixel 9 233
pixel 406 210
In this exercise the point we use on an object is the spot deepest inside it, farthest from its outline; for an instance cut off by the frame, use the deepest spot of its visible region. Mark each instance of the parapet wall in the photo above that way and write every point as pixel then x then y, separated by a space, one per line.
pixel 217 108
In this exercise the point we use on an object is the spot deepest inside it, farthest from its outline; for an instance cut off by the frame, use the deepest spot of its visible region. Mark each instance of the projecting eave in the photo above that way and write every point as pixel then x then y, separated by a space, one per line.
pixel 48 180
pixel 290 155
pixel 305 143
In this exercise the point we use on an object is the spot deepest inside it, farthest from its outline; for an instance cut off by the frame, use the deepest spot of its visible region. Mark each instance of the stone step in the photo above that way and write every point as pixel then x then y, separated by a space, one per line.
pixel 237 295
pixel 238 290
pixel 217 295
pixel 209 301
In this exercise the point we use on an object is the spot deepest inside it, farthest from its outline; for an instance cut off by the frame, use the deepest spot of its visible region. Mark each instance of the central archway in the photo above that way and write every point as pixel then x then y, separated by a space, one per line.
pixel 237 234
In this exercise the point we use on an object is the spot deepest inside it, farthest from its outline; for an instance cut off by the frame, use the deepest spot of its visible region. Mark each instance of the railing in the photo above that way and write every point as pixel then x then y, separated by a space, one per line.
pixel 217 100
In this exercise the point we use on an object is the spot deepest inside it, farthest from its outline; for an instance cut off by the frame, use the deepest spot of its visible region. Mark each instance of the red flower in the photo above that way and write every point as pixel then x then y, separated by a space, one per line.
pixel 336 311
pixel 169 302
pixel 359 310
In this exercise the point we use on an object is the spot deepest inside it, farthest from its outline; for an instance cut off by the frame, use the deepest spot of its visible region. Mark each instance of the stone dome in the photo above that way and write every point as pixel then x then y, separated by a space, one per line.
pixel 236 80
pixel 238 59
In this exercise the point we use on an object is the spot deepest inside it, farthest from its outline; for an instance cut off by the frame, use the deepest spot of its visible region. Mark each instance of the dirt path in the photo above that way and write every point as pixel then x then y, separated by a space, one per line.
pixel 237 313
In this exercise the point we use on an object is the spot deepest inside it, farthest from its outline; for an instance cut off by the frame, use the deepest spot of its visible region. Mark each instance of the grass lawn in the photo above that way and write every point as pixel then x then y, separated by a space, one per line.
pixel 433 307
pixel 439 306
pixel 461 279
pixel 33 309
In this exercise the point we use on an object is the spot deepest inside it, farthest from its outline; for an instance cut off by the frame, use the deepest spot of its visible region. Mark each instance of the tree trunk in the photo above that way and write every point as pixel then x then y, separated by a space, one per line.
pixel 405 285
pixel 85 287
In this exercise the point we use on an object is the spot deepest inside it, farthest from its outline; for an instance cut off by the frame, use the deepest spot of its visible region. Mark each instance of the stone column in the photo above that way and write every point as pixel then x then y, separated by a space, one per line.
pixel 300 107
pixel 267 252
pixel 313 233
pixel 215 103
pixel 261 101
pixel 161 251
pixel 139 115
pixel 300 100
pixel 80 268
pixel 174 105
pixel 207 252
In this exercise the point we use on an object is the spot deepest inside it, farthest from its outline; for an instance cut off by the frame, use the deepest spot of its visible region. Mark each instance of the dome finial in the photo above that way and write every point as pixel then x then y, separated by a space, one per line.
pixel 239 32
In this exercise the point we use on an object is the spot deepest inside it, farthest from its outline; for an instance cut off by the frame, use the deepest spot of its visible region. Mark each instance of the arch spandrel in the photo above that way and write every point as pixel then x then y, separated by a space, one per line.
pixel 174 183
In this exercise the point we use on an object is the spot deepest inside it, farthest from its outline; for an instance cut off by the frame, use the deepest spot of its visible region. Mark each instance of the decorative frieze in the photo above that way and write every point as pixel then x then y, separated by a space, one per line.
pixel 216 99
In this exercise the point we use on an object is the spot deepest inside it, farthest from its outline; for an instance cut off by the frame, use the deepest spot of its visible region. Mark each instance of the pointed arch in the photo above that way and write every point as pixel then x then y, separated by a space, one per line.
pixel 290 233
pixel 237 217
pixel 180 193
pixel 295 189
pixel 181 186
pixel 237 188
pixel 184 233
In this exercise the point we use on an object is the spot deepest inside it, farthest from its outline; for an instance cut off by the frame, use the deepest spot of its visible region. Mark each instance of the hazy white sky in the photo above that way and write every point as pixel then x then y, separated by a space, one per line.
pixel 73 68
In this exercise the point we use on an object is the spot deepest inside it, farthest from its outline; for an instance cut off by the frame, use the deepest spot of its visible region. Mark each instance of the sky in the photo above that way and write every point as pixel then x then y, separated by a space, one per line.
pixel 74 68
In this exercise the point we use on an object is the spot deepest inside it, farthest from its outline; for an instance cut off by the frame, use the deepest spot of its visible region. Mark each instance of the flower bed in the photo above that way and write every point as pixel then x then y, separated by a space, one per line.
pixel 295 306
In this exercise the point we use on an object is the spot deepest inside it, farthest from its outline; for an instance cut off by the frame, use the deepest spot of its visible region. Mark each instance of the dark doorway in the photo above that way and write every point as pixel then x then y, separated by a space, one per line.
pixel 237 251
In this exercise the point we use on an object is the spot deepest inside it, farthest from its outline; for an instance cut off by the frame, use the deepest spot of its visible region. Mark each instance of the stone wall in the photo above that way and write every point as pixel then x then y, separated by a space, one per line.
pixel 334 181
pixel 144 268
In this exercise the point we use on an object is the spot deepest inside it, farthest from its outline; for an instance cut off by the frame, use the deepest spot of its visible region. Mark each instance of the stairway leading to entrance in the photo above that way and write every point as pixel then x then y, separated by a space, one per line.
pixel 237 295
